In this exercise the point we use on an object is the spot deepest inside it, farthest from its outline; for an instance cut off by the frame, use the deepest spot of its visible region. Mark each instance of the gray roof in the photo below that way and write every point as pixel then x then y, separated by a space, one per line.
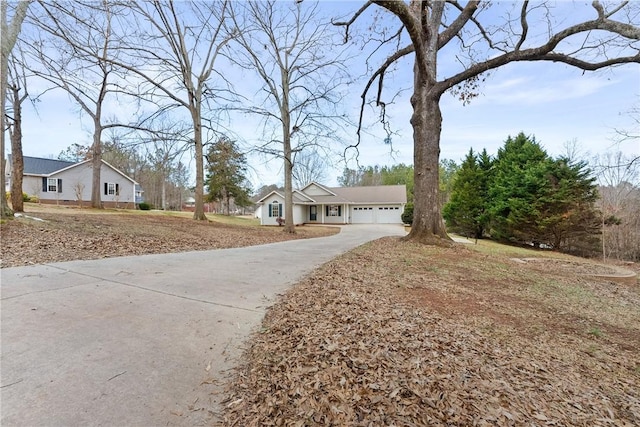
pixel 376 194
pixel 38 166
pixel 372 194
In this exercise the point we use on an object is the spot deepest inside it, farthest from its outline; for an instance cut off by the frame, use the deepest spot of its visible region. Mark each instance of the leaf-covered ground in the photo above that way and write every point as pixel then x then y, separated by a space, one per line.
pixel 396 333
pixel 402 334
pixel 68 234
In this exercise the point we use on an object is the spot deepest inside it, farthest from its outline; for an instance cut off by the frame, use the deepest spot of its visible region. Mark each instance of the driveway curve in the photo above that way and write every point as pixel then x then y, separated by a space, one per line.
pixel 142 340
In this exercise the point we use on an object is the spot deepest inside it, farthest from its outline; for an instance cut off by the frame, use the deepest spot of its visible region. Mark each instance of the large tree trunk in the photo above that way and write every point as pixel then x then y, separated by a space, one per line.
pixel 289 226
pixel 96 165
pixel 5 210
pixel 17 167
pixel 428 226
pixel 7 41
pixel 198 213
pixel 285 113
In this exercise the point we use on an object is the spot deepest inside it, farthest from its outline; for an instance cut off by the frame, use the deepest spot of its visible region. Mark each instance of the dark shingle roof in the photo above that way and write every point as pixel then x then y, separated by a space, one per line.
pixel 38 166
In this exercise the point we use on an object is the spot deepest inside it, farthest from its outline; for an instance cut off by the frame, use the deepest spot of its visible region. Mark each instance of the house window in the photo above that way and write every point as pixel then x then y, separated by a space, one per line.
pixel 275 209
pixel 334 210
pixel 51 185
pixel 111 189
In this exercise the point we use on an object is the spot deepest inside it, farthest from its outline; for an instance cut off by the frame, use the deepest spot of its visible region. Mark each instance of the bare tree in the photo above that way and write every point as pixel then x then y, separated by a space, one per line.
pixel 174 54
pixel 73 53
pixel 619 203
pixel 17 94
pixel 291 50
pixel 9 34
pixel 161 159
pixel 478 46
pixel 78 190
pixel 632 134
pixel 308 166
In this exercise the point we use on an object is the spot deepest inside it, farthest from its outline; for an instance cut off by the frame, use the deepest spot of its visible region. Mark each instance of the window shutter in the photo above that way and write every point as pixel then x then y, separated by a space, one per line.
pixel 117 189
pixel 280 210
pixel 106 188
pixel 59 186
pixel 326 210
pixel 339 210
pixel 44 184
pixel 270 210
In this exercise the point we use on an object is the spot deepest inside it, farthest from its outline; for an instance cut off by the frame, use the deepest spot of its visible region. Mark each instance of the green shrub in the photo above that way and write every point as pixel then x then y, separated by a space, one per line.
pixel 144 206
pixel 407 215
pixel 25 197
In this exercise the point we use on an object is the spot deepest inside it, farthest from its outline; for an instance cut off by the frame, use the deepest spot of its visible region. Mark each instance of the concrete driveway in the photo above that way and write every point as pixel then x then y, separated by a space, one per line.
pixel 144 340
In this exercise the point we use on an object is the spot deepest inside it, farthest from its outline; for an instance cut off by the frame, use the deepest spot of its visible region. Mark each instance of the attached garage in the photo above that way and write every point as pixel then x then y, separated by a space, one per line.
pixel 376 214
pixel 388 215
pixel 362 215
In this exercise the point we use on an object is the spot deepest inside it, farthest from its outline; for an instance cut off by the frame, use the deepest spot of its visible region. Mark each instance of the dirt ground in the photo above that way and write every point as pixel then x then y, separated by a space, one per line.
pixel 395 333
pixel 67 234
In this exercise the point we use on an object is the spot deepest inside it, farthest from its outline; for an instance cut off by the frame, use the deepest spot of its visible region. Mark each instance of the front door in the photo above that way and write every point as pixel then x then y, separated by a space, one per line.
pixel 313 213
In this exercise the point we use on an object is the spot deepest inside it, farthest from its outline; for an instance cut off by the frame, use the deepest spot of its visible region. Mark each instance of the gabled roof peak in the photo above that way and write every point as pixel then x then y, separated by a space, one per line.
pixel 320 186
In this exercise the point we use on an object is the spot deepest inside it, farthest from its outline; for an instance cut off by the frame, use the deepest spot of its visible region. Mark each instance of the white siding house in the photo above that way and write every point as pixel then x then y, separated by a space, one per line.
pixel 61 182
pixel 317 204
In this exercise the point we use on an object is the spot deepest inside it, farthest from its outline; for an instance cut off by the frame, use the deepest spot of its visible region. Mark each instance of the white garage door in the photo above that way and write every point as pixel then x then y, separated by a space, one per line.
pixel 388 215
pixel 376 215
pixel 362 214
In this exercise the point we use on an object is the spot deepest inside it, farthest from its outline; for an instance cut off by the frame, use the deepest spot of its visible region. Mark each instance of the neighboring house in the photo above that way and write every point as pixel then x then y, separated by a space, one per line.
pixel 317 204
pixel 68 183
pixel 190 206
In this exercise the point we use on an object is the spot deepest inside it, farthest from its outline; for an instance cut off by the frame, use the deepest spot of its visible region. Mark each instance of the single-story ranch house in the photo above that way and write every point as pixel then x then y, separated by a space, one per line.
pixel 67 183
pixel 317 204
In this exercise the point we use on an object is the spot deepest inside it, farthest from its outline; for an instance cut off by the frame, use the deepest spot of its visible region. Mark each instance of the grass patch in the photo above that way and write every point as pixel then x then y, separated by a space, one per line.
pixel 242 221
pixel 596 332
pixel 490 247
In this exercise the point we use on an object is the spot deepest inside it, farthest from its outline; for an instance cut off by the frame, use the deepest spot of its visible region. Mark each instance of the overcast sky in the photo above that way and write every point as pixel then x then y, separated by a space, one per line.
pixel 555 103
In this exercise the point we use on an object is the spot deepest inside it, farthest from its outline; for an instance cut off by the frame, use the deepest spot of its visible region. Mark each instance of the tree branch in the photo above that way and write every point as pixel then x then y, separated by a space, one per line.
pixel 524 25
pixel 545 52
pixel 466 14
pixel 347 24
pixel 402 11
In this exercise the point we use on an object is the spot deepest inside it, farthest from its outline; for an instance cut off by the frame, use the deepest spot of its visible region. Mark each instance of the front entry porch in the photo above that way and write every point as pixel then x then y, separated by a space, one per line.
pixel 327 214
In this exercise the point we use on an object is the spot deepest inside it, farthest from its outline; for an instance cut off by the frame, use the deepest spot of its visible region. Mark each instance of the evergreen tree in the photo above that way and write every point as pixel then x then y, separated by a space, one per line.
pixel 519 185
pixel 569 217
pixel 539 200
pixel 466 211
pixel 226 169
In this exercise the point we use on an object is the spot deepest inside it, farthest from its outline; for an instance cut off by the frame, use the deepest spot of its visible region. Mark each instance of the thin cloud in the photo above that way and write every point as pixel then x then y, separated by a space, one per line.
pixel 529 91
